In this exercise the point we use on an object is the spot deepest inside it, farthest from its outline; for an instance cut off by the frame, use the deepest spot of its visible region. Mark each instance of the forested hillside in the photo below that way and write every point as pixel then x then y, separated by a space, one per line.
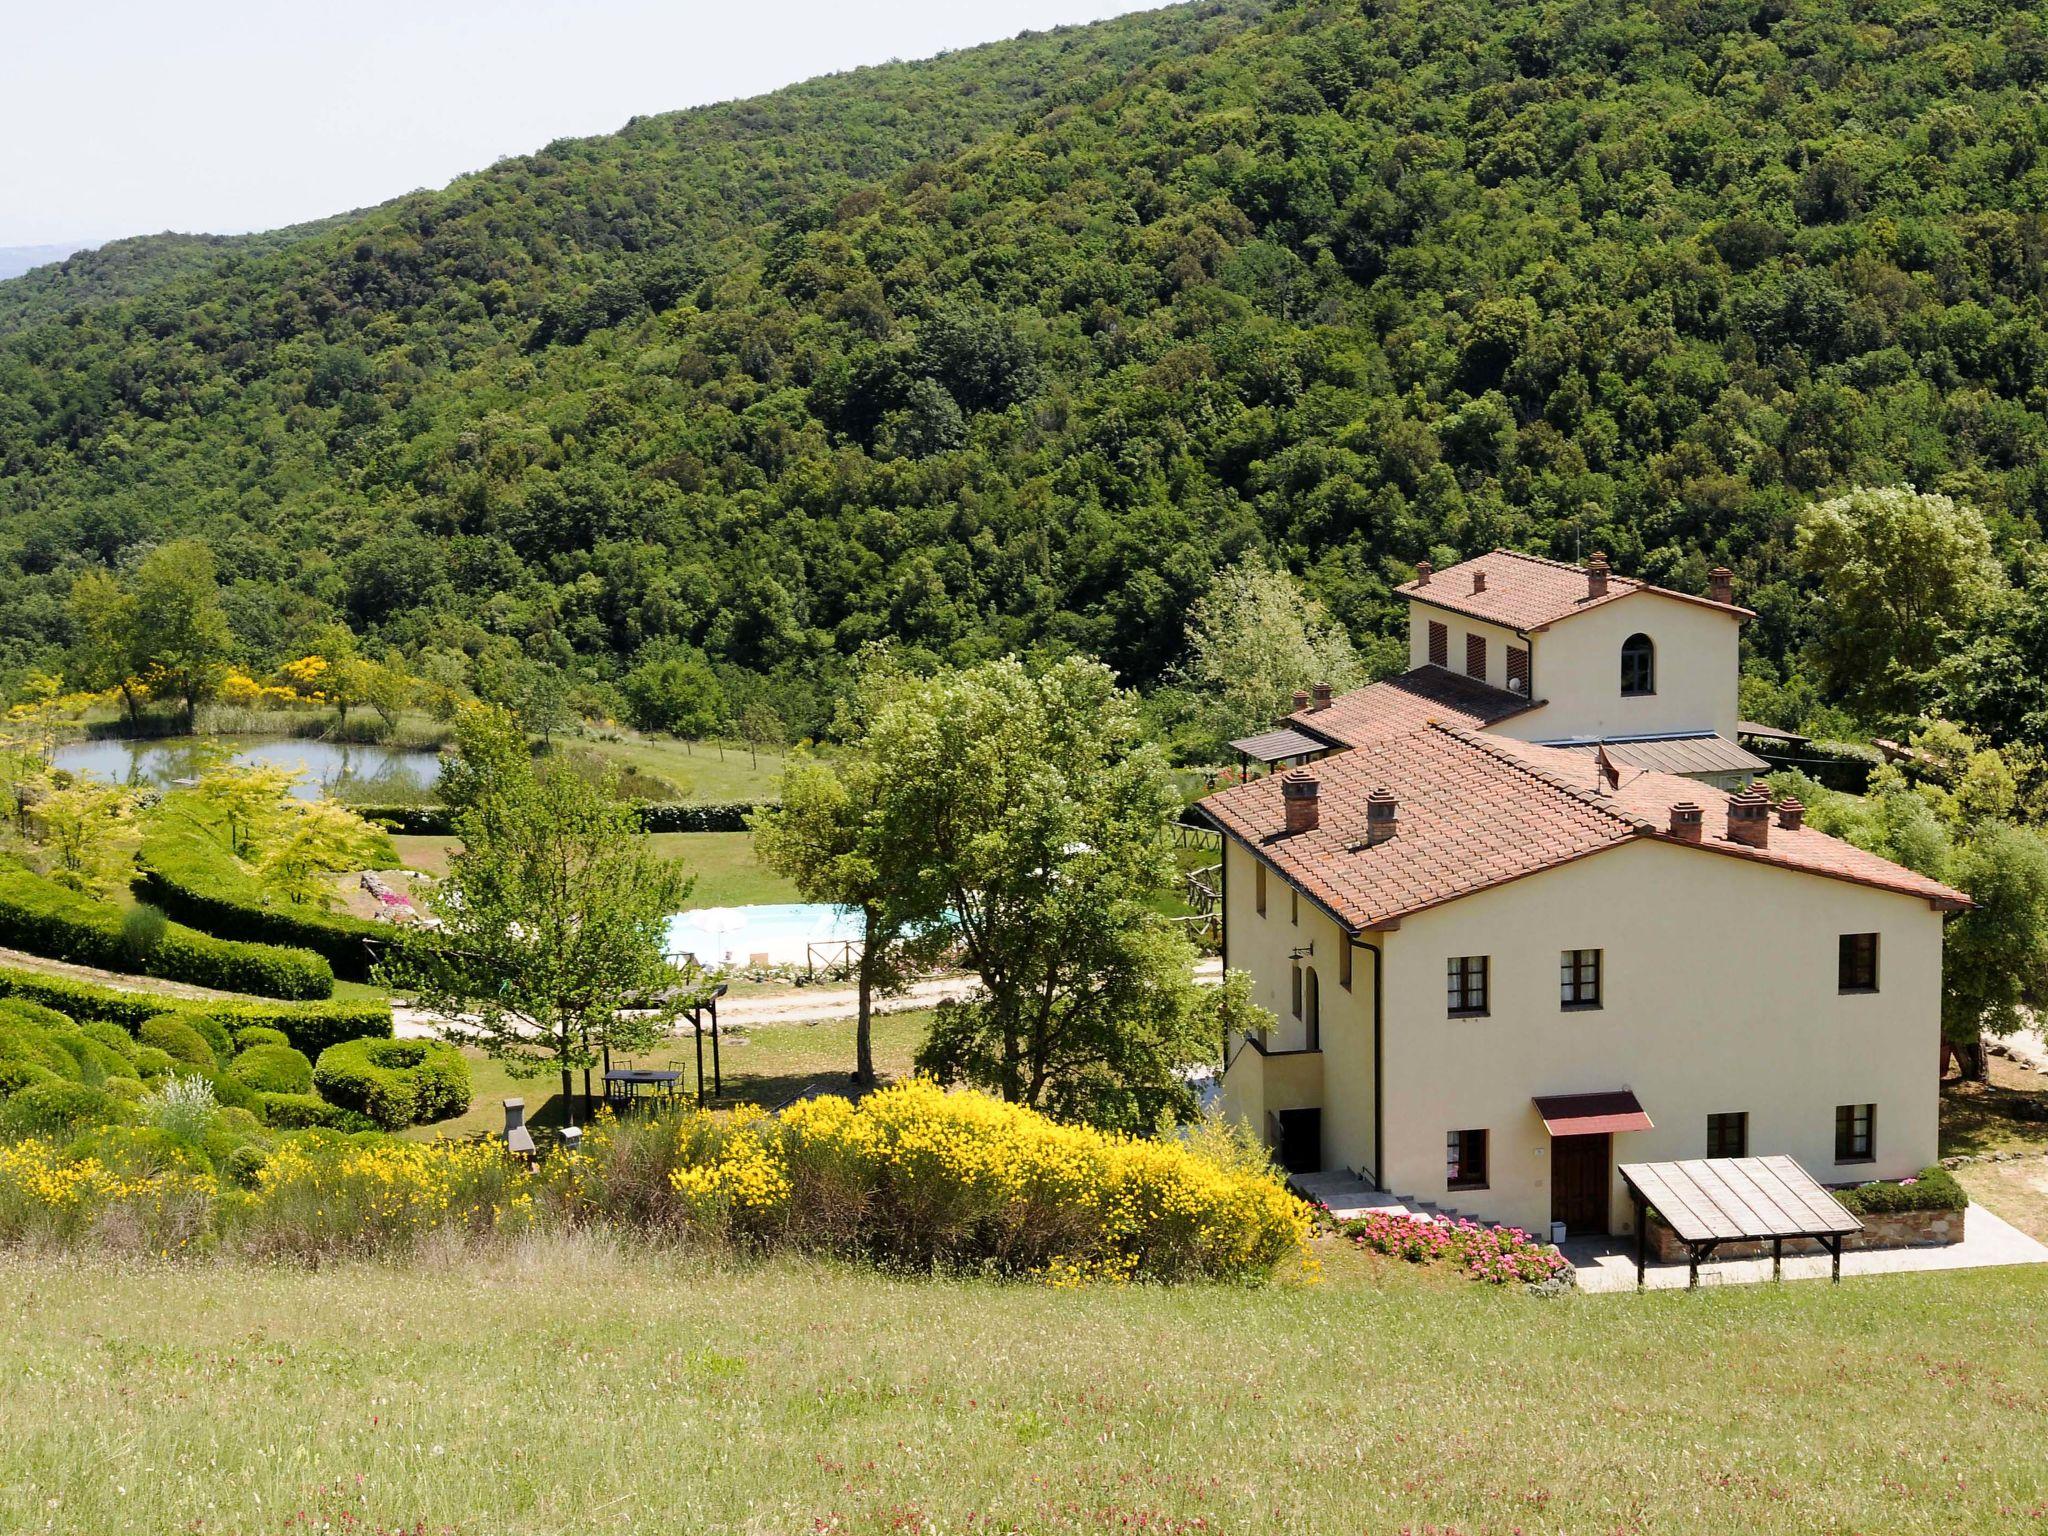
pixel 1013 348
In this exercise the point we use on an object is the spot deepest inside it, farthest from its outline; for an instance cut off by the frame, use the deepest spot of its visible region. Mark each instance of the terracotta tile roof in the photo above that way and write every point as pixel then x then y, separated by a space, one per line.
pixel 1478 811
pixel 1400 705
pixel 1528 592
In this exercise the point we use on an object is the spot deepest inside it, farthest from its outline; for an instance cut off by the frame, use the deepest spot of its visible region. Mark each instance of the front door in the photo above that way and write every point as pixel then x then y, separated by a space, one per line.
pixel 1579 1183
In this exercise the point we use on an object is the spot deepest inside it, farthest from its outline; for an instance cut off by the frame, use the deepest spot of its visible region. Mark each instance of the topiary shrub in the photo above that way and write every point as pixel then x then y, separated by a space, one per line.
pixel 154 1061
pixel 1931 1189
pixel 249 1036
pixel 244 1165
pixel 139 1151
pixel 395 1082
pixel 273 1069
pixel 128 1089
pixel 60 1109
pixel 169 1033
pixel 18 1072
pixel 112 1036
pixel 233 1094
pixel 213 1032
pixel 301 1112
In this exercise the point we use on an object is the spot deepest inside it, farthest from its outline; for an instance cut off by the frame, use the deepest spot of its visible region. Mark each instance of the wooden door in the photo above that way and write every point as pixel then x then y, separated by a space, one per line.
pixel 1579 1183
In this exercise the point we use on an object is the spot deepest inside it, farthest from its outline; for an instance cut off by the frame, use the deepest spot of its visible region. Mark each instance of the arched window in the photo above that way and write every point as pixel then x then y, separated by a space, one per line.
pixel 1312 1013
pixel 1638 666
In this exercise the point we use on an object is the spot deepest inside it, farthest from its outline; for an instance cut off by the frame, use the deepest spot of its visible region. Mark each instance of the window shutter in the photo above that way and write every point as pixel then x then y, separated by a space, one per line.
pixel 1475 656
pixel 1439 644
pixel 1518 669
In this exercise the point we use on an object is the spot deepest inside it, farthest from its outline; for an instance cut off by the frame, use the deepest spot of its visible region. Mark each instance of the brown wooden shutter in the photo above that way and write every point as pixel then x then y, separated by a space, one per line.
pixel 1475 656
pixel 1439 644
pixel 1518 669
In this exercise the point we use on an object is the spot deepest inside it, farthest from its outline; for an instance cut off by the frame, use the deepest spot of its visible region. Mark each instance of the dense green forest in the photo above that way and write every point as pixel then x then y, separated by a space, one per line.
pixel 1012 349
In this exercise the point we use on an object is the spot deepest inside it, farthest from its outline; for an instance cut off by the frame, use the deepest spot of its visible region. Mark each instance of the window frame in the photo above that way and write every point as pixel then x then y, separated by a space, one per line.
pixel 1259 886
pixel 1572 984
pixel 1344 961
pixel 1639 659
pixel 1459 1173
pixel 1296 993
pixel 1718 1121
pixel 1847 1118
pixel 1458 984
pixel 1312 1011
pixel 1475 654
pixel 1856 964
pixel 1439 645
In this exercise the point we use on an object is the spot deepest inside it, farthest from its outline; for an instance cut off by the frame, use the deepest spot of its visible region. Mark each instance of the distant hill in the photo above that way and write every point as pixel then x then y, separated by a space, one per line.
pixel 1012 347
pixel 17 259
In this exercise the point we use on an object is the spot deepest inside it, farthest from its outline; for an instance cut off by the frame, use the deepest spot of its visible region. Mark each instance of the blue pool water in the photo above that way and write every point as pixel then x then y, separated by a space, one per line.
pixel 781 933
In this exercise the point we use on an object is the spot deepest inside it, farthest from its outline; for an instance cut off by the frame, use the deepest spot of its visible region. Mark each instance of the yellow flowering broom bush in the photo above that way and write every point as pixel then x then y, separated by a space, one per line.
pixel 921 1177
pixel 49 1197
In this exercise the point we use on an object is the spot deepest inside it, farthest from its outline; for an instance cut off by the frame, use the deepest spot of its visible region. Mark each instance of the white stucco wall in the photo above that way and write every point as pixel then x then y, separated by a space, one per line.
pixel 1498 639
pixel 1577 664
pixel 1719 995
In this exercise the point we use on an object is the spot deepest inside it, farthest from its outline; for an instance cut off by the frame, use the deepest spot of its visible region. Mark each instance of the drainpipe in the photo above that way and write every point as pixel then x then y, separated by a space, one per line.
pixel 1379 1154
pixel 1223 930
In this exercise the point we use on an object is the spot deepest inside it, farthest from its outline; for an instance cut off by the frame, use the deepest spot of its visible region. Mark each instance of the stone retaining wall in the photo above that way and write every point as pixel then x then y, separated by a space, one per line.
pixel 1889 1229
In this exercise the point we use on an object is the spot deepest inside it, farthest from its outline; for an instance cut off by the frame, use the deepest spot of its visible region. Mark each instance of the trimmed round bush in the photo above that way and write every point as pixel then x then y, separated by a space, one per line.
pixel 18 1072
pixel 213 1032
pixel 28 1011
pixel 231 1093
pixel 273 1069
pixel 140 1150
pixel 301 1111
pixel 244 1165
pixel 112 1036
pixel 125 1088
pixel 395 1082
pixel 249 1036
pixel 60 1109
pixel 170 1033
pixel 154 1061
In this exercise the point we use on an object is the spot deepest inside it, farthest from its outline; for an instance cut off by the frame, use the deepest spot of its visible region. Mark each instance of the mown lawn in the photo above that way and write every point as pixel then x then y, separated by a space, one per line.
pixel 722 863
pixel 2009 1114
pixel 702 772
pixel 569 1387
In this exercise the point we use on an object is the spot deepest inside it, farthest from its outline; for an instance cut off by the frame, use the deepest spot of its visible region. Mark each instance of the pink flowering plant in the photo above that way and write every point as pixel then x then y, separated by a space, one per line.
pixel 1495 1255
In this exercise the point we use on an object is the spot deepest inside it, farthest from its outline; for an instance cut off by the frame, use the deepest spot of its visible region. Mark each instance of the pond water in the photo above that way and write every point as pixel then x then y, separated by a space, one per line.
pixel 347 771
pixel 781 933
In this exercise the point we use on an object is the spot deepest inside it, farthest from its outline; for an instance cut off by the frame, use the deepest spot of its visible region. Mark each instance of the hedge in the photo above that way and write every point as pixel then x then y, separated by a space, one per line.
pixel 439 820
pixel 1931 1189
pixel 395 1082
pixel 311 1027
pixel 273 1069
pixel 44 918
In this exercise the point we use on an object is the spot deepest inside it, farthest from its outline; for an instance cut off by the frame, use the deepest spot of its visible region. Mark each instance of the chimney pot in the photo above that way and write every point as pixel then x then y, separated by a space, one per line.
pixel 1791 814
pixel 1721 585
pixel 1382 816
pixel 1687 821
pixel 1301 698
pixel 1749 818
pixel 1322 693
pixel 1479 581
pixel 1301 795
pixel 1596 575
pixel 1423 571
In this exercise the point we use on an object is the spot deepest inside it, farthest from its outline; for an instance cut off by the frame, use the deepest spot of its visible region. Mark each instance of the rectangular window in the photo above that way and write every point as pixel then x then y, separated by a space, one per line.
pixel 1475 656
pixel 1439 644
pixel 1294 906
pixel 1297 991
pixel 1856 963
pixel 1855 1133
pixel 1344 962
pixel 1465 1159
pixel 1467 985
pixel 1578 978
pixel 1259 888
pixel 1728 1135
pixel 1518 669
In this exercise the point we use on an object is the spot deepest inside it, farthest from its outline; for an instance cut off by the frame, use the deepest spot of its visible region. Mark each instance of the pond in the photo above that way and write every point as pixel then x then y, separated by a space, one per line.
pixel 345 770
pixel 782 933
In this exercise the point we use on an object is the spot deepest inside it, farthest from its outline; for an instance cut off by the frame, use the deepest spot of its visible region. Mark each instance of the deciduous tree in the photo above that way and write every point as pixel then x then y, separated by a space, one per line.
pixel 1254 639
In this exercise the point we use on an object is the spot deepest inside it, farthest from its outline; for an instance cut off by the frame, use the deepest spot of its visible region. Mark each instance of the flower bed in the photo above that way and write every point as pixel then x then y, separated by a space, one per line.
pixel 1494 1255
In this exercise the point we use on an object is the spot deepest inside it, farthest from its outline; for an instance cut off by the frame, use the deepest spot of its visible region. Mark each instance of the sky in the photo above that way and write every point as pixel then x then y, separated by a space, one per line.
pixel 119 117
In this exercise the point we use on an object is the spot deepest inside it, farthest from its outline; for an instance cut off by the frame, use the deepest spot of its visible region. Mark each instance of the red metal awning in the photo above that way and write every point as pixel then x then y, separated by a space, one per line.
pixel 1590 1114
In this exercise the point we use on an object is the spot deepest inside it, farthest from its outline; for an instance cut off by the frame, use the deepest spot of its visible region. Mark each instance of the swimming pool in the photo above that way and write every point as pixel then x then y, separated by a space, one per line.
pixel 781 933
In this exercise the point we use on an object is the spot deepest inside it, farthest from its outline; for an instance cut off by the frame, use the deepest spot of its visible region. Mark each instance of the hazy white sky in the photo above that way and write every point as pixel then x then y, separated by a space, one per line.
pixel 123 117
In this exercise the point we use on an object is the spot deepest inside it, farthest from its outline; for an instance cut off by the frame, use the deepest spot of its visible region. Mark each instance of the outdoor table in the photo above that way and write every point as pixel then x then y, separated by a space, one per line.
pixel 632 1082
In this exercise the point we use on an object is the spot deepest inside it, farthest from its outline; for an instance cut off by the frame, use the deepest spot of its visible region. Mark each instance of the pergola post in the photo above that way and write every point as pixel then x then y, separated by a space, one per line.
pixel 1777 1258
pixel 1642 1235
pixel 1835 1248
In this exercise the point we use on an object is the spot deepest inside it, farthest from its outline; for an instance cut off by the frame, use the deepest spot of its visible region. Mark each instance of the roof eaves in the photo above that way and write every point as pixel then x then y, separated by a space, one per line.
pixel 1943 899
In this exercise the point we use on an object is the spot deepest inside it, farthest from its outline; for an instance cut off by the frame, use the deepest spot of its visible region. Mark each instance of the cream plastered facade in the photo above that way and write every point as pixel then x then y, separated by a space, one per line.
pixel 1576 667
pixel 1719 994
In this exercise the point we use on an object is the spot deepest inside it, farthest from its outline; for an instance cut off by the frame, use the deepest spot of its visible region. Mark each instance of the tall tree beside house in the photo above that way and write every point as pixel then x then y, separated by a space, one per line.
pixel 1021 822
pixel 182 637
pixel 553 916
pixel 1254 639
pixel 1902 575
pixel 1995 956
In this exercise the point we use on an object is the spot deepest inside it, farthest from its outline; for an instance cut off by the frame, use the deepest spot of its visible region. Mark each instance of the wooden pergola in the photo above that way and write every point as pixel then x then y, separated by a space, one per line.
pixel 1709 1201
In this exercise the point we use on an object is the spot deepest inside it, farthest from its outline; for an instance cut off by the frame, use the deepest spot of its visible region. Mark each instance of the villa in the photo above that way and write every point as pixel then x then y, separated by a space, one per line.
pixel 1526 920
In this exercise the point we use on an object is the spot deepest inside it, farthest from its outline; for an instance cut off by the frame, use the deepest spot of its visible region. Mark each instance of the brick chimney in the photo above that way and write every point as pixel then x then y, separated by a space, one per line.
pixel 1479 581
pixel 1382 816
pixel 1686 821
pixel 1721 585
pixel 1749 818
pixel 1596 575
pixel 1321 697
pixel 1791 814
pixel 1423 571
pixel 1302 796
pixel 1300 699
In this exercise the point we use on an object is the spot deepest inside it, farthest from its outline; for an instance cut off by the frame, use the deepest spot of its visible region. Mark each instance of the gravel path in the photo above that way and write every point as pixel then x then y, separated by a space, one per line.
pixel 118 980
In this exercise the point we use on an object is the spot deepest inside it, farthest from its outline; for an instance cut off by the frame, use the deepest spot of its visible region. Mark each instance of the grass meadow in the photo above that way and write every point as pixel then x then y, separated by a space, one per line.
pixel 567 1386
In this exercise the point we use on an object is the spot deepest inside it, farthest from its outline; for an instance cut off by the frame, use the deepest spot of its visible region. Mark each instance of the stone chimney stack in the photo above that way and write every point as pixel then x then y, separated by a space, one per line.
pixel 1596 575
pixel 1721 585
pixel 1300 699
pixel 1423 571
pixel 1479 581
pixel 1382 817
pixel 1749 818
pixel 1322 693
pixel 1791 814
pixel 1687 824
pixel 1302 796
